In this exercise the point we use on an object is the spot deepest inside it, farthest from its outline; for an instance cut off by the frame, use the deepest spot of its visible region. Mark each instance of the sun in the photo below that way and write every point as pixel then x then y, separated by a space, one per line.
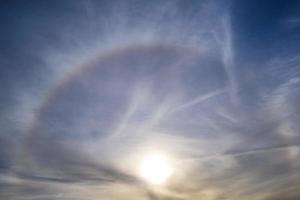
pixel 155 168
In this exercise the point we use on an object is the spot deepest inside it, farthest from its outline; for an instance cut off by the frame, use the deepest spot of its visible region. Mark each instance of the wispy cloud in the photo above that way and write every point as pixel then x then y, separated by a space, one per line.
pixel 106 82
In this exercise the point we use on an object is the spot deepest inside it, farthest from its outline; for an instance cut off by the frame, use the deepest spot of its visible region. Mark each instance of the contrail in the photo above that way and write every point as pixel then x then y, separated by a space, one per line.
pixel 249 152
pixel 262 149
pixel 225 39
pixel 198 100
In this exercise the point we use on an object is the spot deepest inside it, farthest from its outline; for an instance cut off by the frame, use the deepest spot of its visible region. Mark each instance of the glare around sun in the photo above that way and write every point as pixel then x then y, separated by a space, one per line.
pixel 155 169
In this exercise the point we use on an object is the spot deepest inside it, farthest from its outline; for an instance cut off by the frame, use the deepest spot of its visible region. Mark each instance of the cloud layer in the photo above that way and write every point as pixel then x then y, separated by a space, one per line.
pixel 90 87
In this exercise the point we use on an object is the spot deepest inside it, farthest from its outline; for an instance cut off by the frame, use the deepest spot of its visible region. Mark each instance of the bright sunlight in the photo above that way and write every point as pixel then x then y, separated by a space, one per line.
pixel 155 168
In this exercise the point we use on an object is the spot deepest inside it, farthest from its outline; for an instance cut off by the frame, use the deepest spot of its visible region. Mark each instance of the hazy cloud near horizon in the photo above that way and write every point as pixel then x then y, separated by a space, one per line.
pixel 90 87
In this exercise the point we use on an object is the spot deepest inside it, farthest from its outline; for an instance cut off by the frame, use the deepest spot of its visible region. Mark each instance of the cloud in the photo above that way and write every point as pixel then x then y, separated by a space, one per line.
pixel 102 83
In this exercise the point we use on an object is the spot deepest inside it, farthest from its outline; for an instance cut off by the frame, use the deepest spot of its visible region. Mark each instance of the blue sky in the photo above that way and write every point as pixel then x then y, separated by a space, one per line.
pixel 88 88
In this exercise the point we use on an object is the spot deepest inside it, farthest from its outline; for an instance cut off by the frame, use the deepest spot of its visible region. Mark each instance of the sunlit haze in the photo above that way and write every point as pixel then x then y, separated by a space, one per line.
pixel 155 168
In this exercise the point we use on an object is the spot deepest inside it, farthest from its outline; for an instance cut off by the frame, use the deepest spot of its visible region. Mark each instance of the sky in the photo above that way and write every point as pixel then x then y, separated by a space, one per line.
pixel 89 88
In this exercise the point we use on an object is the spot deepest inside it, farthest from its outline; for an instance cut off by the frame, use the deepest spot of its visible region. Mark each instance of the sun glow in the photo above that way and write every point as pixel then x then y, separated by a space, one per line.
pixel 155 168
